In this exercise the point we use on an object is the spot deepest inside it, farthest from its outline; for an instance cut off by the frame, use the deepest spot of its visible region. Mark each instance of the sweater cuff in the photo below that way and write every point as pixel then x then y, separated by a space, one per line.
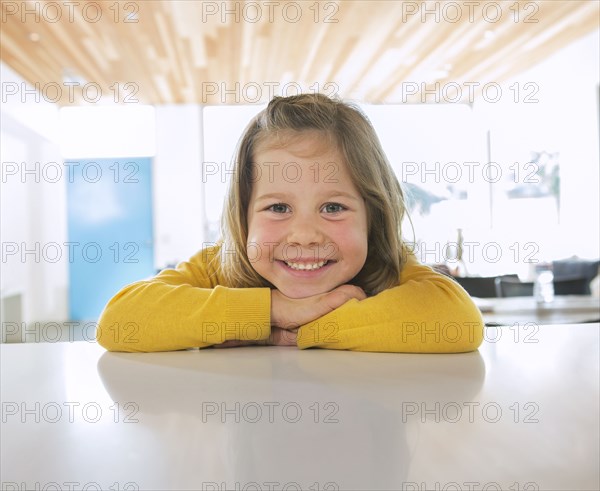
pixel 323 332
pixel 248 314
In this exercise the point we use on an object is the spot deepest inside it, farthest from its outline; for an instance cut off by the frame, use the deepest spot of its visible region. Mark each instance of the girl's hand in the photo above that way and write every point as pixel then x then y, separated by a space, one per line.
pixel 278 337
pixel 282 337
pixel 290 313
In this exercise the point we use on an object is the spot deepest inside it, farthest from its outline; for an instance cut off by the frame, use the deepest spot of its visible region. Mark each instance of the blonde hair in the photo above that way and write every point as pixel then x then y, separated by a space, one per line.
pixel 369 170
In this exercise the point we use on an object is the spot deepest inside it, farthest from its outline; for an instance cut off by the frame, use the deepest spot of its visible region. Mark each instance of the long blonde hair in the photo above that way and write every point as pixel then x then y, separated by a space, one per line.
pixel 369 170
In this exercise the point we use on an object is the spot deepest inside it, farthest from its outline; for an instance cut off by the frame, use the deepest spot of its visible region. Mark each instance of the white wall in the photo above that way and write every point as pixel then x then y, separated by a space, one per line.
pixel 36 135
pixel 563 118
pixel 107 131
pixel 33 206
pixel 177 184
pixel 424 143
pixel 22 103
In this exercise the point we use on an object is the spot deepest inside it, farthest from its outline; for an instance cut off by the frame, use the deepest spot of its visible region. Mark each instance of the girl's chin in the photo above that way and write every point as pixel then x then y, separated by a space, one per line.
pixel 295 292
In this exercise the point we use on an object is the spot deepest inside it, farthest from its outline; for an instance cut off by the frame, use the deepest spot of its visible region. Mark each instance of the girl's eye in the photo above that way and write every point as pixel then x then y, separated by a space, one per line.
pixel 278 208
pixel 333 208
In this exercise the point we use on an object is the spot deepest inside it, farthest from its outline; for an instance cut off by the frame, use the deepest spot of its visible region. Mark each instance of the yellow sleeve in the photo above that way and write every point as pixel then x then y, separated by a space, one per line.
pixel 183 308
pixel 427 313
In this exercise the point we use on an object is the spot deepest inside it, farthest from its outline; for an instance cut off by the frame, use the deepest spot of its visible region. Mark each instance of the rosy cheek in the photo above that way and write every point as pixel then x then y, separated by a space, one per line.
pixel 350 235
pixel 262 231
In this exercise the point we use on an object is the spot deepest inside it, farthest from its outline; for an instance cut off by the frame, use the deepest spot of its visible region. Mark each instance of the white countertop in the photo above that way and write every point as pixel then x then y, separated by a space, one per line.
pixel 280 418
pixel 564 309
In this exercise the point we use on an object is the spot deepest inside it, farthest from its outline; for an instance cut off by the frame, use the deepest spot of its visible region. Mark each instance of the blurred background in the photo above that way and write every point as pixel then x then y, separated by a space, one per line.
pixel 119 121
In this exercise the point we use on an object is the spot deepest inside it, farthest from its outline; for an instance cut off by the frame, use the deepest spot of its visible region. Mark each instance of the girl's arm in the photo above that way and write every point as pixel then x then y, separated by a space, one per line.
pixel 183 308
pixel 187 307
pixel 427 313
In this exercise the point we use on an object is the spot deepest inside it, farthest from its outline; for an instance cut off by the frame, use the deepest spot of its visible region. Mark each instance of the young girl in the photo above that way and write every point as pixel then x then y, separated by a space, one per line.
pixel 311 253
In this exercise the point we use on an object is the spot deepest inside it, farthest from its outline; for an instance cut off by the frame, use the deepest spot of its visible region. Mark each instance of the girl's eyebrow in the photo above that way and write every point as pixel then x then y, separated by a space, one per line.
pixel 343 194
pixel 278 196
pixel 330 195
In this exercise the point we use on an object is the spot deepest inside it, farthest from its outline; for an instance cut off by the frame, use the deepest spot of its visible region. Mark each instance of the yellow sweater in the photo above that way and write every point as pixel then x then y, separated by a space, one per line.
pixel 189 307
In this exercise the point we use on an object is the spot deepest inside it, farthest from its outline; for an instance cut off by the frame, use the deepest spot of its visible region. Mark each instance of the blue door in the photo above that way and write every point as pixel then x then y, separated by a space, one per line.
pixel 109 204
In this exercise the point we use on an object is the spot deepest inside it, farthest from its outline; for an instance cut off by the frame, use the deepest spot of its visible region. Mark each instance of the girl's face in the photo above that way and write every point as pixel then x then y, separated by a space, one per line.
pixel 307 222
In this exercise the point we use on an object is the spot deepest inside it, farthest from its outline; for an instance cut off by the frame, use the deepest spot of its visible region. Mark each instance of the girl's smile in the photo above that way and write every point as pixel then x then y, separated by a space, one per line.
pixel 306 269
pixel 305 217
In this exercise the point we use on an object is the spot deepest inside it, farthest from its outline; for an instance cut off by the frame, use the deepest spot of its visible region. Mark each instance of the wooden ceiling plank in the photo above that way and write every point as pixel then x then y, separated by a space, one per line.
pixel 475 57
pixel 30 71
pixel 167 39
pixel 318 21
pixel 234 53
pixel 44 54
pixel 430 58
pixel 93 49
pixel 368 48
pixel 400 35
pixel 166 95
pixel 511 42
pixel 307 63
pixel 187 18
pixel 130 71
pixel 331 41
pixel 456 40
pixel 220 63
pixel 260 47
pixel 190 92
pixel 178 30
pixel 171 49
pixel 504 72
pixel 282 39
pixel 579 25
pixel 79 63
pixel 248 37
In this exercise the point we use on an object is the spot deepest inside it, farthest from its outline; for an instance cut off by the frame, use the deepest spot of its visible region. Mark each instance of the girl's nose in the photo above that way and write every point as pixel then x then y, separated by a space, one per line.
pixel 304 231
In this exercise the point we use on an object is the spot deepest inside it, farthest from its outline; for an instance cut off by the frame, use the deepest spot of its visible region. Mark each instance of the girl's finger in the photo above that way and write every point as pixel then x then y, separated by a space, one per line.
pixel 232 343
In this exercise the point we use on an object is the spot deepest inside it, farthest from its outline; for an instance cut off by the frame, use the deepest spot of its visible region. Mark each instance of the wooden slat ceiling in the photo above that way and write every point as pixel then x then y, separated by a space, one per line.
pixel 187 51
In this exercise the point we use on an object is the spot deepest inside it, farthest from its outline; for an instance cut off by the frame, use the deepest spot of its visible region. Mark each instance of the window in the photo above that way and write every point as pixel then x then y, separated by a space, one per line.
pixel 223 126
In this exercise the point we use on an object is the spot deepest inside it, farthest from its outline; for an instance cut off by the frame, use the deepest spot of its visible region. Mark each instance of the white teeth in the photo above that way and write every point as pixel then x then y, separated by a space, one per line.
pixel 305 266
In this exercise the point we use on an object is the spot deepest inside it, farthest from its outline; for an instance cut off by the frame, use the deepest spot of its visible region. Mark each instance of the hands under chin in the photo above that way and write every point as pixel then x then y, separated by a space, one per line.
pixel 288 314
pixel 278 337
